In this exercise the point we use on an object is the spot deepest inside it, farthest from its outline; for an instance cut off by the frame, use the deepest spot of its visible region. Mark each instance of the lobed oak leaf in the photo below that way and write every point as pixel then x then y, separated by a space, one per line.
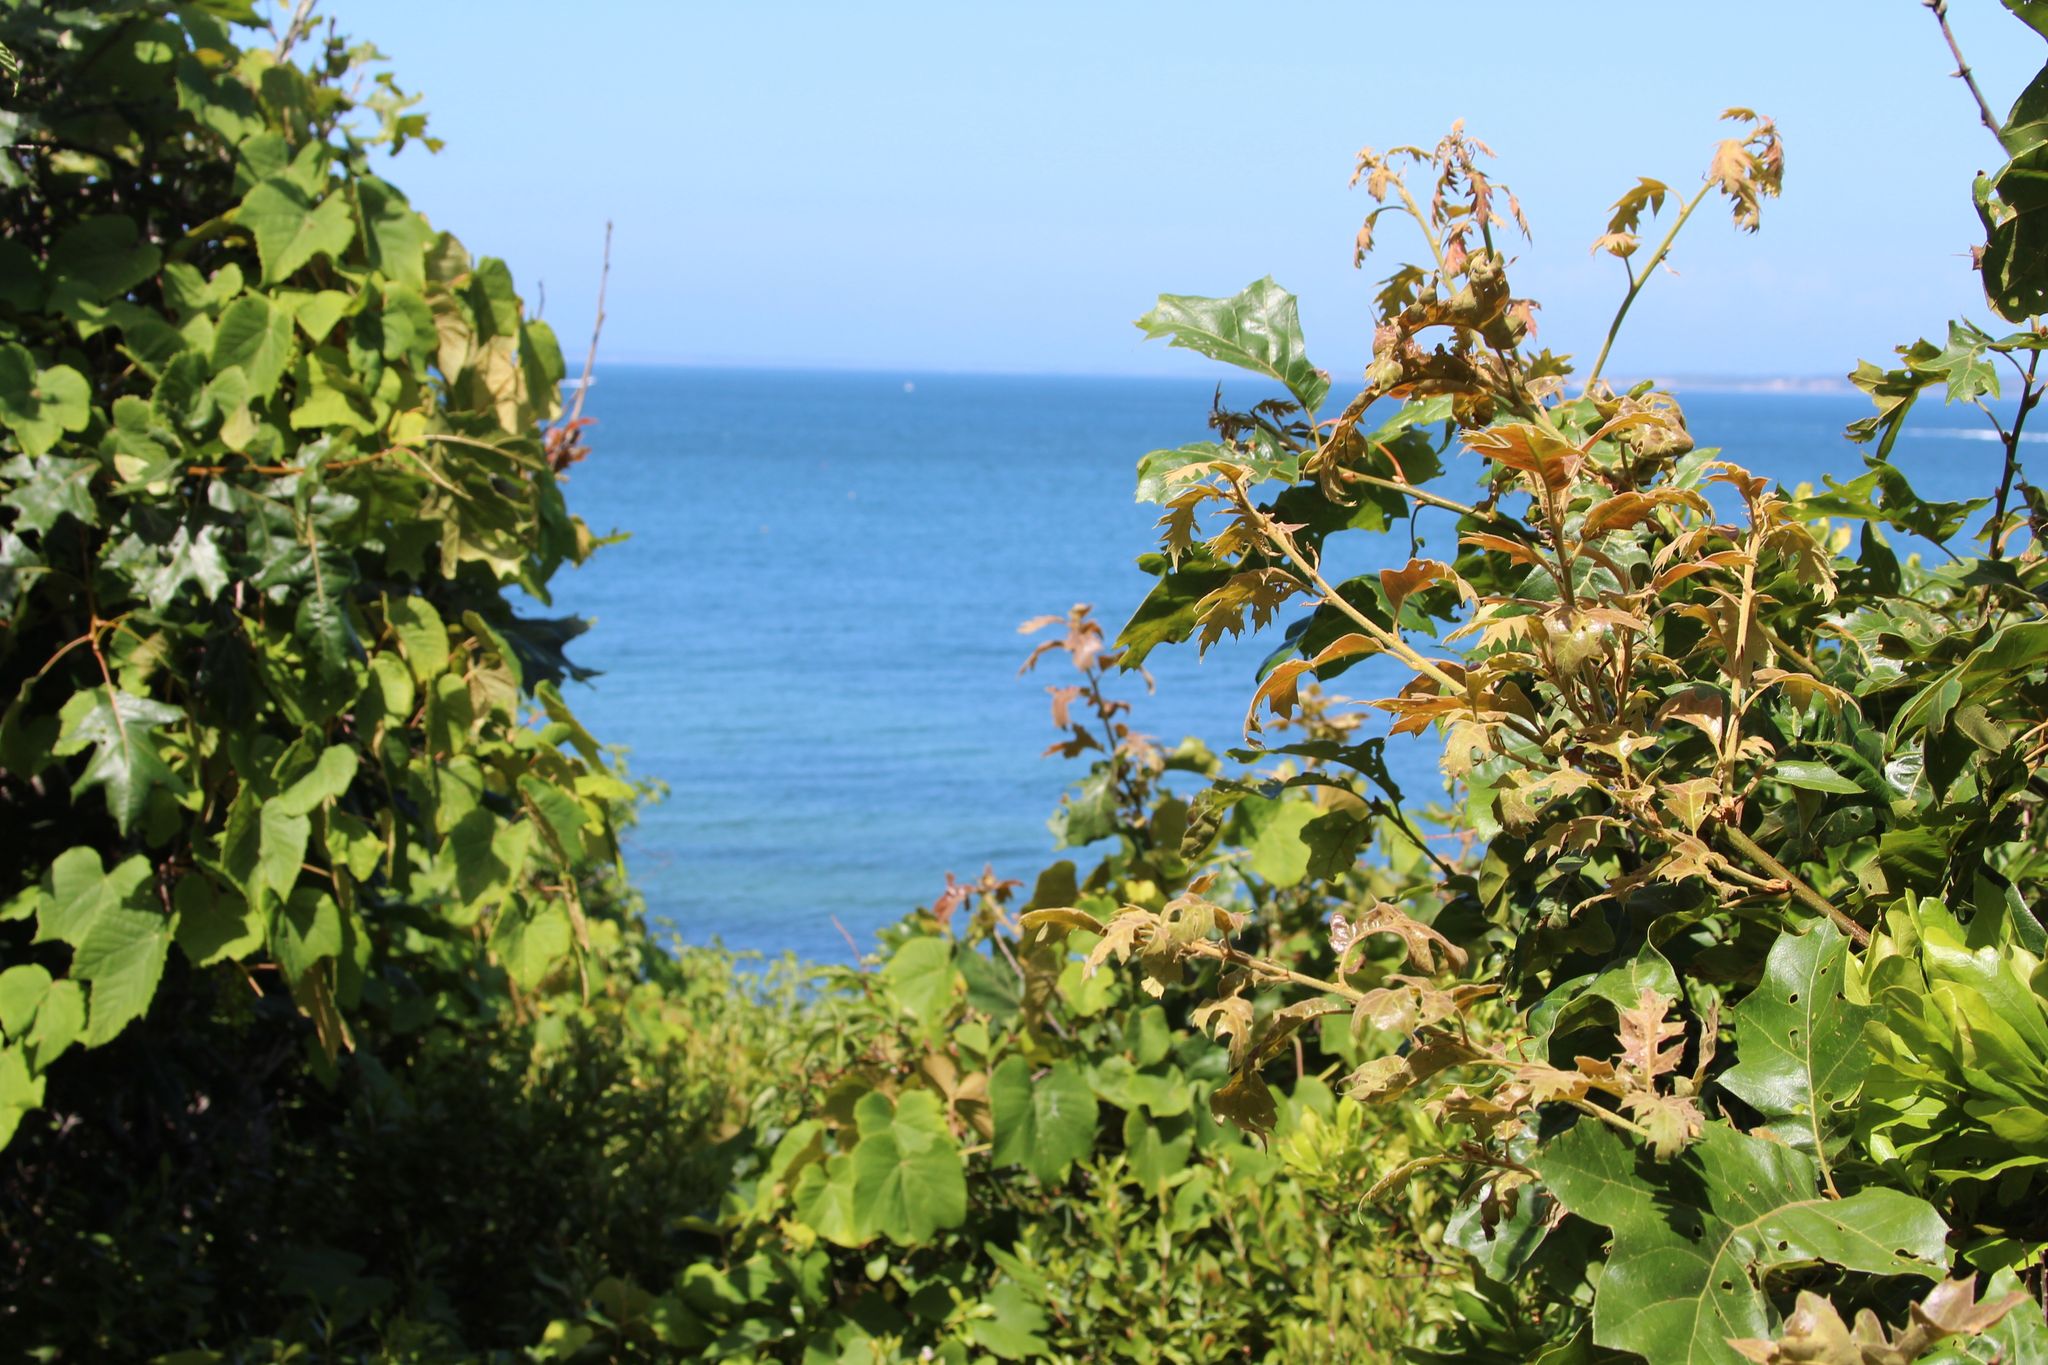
pixel 1669 1122
pixel 1645 1030
pixel 1400 584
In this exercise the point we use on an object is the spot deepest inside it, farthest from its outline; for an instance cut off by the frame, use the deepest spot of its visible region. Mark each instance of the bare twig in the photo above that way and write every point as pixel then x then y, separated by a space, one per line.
pixel 301 22
pixel 596 328
pixel 1939 8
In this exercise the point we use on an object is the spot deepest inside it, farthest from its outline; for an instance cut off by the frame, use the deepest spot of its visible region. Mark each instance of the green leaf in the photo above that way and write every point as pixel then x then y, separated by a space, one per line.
pixel 305 930
pixel 1810 774
pixel 185 559
pixel 1258 329
pixel 291 230
pixel 282 849
pixel 212 926
pixel 1800 1041
pixel 329 778
pixel 60 1022
pixel 20 1092
pixel 394 237
pixel 22 988
pixel 1044 1125
pixel 81 893
pixel 40 405
pixel 825 1201
pixel 98 259
pixel 1278 852
pixel 907 1178
pixel 48 488
pixel 422 635
pixel 1695 1237
pixel 255 335
pixel 530 938
pixel 921 979
pixel 1170 612
pixel 122 956
pixel 1011 1331
pixel 126 763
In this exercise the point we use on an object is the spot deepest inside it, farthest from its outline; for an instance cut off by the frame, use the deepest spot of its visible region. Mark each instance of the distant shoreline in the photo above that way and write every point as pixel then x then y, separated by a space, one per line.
pixel 1819 385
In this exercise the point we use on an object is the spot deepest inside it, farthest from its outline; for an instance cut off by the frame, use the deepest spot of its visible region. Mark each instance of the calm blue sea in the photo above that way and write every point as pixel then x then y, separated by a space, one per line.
pixel 811 635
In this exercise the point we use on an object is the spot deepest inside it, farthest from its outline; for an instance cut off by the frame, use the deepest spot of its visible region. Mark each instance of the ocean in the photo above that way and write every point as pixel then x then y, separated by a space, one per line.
pixel 810 635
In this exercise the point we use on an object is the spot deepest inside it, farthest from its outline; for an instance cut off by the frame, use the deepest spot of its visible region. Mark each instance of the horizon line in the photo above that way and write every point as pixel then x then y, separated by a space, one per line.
pixel 1816 383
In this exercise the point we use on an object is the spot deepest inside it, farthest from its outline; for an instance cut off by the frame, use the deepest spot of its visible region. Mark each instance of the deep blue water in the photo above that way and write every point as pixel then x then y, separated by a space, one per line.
pixel 811 635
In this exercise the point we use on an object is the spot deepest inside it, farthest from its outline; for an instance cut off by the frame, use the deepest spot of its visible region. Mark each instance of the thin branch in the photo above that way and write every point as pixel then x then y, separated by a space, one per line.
pixel 296 29
pixel 596 328
pixel 2029 396
pixel 1637 282
pixel 1801 892
pixel 1939 8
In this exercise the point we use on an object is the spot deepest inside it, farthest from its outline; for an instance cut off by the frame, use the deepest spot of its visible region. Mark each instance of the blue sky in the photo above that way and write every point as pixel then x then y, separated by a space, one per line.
pixel 920 186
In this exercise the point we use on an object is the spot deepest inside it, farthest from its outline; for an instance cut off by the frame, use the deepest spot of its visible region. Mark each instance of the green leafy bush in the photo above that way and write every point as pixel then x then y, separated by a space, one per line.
pixel 1707 1021
pixel 275 453
pixel 1733 1001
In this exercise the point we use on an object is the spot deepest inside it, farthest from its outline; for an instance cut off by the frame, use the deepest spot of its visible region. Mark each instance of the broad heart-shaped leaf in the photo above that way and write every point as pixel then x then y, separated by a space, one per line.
pixel 824 1201
pixel 256 335
pixel 907 1178
pixel 125 762
pixel 1693 1237
pixel 1257 329
pixel 40 405
pixel 1799 1041
pixel 921 978
pixel 1044 1125
pixel 290 229
pixel 530 938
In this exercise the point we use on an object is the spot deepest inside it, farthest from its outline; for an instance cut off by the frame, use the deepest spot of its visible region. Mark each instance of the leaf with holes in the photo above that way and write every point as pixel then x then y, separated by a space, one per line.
pixel 1801 1042
pixel 1695 1237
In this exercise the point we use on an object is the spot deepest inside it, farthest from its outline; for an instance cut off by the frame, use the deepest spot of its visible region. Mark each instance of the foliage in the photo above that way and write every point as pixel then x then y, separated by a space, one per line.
pixel 272 456
pixel 1731 1008
pixel 1707 1020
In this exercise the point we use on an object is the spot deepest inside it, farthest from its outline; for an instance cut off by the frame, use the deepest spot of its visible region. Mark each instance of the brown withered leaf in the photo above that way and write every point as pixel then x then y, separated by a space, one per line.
pixel 1700 706
pixel 1645 195
pixel 1039 925
pixel 1400 584
pixel 1669 1122
pixel 1388 1077
pixel 1549 1084
pixel 1246 1102
pixel 1129 932
pixel 1814 1333
pixel 1551 461
pixel 1644 1032
pixel 1803 688
pixel 1229 1017
pixel 1427 949
pixel 1690 802
pixel 1513 549
pixel 1624 510
pixel 1256 592
pixel 1621 244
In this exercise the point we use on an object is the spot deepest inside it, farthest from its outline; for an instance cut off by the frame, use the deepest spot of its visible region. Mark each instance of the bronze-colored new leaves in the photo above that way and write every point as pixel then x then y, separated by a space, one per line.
pixel 1816 1335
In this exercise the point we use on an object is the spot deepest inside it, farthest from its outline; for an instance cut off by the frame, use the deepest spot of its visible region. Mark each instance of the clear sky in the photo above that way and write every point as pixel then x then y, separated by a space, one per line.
pixel 968 186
